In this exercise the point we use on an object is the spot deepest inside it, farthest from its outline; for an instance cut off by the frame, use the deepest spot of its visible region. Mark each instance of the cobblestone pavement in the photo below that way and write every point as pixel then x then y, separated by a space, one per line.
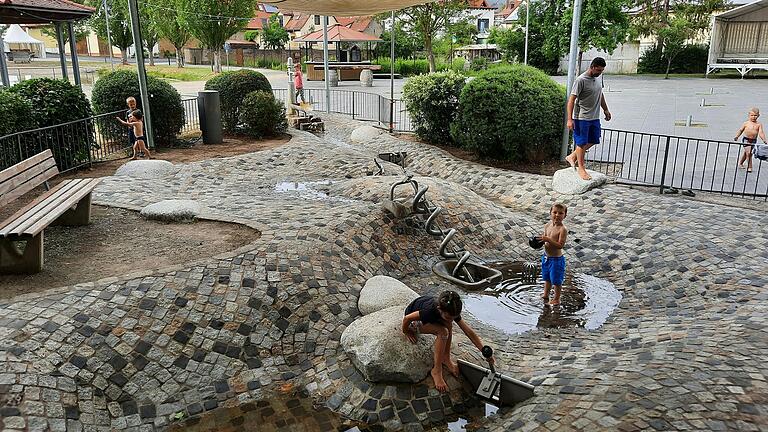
pixel 684 350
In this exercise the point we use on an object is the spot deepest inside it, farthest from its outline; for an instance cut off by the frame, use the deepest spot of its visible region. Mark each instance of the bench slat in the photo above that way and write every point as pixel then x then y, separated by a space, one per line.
pixel 26 175
pixel 4 226
pixel 84 187
pixel 39 206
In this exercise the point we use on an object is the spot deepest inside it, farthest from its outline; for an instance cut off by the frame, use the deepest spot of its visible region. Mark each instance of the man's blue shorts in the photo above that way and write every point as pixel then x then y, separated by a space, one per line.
pixel 586 132
pixel 553 269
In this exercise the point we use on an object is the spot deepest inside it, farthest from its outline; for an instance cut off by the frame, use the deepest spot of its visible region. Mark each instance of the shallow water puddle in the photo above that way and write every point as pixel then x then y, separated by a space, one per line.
pixel 515 306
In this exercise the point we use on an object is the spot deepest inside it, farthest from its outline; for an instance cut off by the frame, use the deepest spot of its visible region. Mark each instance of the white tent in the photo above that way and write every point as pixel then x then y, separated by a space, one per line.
pixel 739 39
pixel 15 37
pixel 344 7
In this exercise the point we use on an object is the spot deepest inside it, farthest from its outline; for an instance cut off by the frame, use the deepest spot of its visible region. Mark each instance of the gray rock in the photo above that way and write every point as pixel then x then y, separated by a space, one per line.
pixel 381 292
pixel 378 348
pixel 146 169
pixel 365 133
pixel 567 181
pixel 172 211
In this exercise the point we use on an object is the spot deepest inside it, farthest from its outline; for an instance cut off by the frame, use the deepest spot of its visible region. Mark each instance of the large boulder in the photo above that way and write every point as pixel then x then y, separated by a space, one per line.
pixel 146 169
pixel 377 346
pixel 381 292
pixel 567 181
pixel 172 211
pixel 365 133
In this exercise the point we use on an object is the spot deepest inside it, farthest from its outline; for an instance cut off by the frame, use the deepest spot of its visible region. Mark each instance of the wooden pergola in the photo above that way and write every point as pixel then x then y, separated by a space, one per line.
pixel 56 12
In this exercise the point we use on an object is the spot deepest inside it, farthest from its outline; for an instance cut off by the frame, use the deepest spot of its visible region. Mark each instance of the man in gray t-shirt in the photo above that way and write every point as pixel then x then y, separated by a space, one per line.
pixel 584 113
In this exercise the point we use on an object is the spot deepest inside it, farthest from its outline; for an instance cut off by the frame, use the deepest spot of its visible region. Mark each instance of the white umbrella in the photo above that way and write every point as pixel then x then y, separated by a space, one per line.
pixel 344 7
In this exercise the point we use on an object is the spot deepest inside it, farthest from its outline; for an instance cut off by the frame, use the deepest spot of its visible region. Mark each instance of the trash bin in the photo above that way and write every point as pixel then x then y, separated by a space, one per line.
pixel 209 112
pixel 366 78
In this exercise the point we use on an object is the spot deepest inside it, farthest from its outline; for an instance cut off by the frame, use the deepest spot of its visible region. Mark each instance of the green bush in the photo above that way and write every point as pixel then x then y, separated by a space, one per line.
pixel 233 87
pixel 55 102
pixel 432 101
pixel 262 115
pixel 15 113
pixel 408 67
pixel 692 59
pixel 511 112
pixel 166 110
pixel 478 64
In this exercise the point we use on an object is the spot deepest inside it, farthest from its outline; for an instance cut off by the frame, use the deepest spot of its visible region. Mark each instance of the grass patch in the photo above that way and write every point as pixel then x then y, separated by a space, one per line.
pixel 168 72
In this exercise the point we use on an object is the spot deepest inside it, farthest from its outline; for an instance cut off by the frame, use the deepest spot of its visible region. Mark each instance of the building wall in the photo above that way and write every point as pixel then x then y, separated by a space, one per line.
pixel 623 60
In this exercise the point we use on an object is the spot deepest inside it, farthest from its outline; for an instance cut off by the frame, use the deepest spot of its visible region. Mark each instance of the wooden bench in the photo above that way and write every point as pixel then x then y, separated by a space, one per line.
pixel 21 235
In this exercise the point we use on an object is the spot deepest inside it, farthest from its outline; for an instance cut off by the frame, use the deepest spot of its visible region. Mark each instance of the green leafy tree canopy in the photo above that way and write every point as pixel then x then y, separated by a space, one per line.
pixel 275 35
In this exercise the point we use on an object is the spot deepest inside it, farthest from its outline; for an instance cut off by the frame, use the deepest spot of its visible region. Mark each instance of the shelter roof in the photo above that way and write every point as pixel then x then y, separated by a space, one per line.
pixel 338 33
pixel 42 11
pixel 743 10
pixel 259 20
pixel 296 22
pixel 344 7
pixel 359 23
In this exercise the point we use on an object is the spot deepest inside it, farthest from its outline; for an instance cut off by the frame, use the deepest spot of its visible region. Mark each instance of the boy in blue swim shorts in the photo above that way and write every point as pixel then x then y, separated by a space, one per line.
pixel 553 261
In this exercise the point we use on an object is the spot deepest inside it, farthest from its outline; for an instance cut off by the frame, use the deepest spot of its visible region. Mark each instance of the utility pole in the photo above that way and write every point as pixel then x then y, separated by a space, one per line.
pixel 572 58
pixel 133 9
pixel 527 21
pixel 326 68
pixel 392 76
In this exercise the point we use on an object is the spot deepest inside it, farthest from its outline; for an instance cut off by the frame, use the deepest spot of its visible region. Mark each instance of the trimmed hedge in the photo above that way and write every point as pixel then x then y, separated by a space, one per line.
pixel 262 115
pixel 233 86
pixel 15 113
pixel 432 102
pixel 512 112
pixel 407 67
pixel 111 91
pixel 692 59
pixel 54 102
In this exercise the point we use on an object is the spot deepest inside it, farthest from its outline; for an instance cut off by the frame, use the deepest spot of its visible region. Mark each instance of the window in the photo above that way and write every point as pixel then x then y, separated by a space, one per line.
pixel 317 19
pixel 482 25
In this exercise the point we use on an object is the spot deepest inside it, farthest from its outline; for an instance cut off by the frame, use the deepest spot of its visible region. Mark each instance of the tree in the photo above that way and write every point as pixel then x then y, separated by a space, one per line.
pixel 212 22
pixel 674 22
pixel 274 35
pixel 546 45
pixel 80 28
pixel 604 25
pixel 509 41
pixel 119 24
pixel 463 32
pixel 165 18
pixel 406 43
pixel 149 33
pixel 251 35
pixel 429 19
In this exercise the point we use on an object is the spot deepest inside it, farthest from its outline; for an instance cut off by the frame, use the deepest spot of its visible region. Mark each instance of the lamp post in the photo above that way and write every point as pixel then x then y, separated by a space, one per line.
pixel 527 21
pixel 572 58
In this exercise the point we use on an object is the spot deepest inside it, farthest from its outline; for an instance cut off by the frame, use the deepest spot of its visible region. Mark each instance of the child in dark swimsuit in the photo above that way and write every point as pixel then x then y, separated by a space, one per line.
pixel 436 316
pixel 135 122
pixel 751 130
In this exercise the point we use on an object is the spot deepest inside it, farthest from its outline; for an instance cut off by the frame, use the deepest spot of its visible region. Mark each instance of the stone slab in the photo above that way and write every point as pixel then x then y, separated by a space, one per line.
pixel 172 211
pixel 381 292
pixel 567 181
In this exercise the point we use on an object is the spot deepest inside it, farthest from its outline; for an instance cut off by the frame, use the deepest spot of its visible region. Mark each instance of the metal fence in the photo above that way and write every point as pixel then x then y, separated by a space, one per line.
pixel 81 142
pixel 359 105
pixel 678 162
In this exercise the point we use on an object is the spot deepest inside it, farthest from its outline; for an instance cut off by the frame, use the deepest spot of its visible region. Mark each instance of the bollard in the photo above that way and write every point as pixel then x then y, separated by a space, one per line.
pixel 209 112
pixel 689 121
pixel 711 90
pixel 703 102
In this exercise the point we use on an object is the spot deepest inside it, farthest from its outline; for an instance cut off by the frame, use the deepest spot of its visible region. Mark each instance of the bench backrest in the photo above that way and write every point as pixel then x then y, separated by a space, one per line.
pixel 26 175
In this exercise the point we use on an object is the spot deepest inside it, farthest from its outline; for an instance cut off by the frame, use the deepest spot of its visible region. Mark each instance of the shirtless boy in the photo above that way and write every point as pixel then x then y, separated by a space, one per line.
pixel 751 129
pixel 553 261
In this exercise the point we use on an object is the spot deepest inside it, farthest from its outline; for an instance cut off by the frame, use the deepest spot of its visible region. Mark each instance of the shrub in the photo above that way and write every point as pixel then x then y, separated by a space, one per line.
pixel 15 113
pixel 409 67
pixel 432 102
pixel 233 87
pixel 262 115
pixel 511 112
pixel 55 102
pixel 167 112
pixel 478 64
pixel 692 59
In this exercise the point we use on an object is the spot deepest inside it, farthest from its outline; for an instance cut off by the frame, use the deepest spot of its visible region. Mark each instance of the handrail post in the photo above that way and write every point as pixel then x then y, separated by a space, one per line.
pixel 664 166
pixel 353 104
pixel 21 151
pixel 89 145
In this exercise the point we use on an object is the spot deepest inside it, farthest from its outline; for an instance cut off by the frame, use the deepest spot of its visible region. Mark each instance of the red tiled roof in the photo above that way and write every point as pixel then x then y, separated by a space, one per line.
pixel 63 5
pixel 357 23
pixel 256 23
pixel 296 22
pixel 479 4
pixel 338 33
pixel 509 7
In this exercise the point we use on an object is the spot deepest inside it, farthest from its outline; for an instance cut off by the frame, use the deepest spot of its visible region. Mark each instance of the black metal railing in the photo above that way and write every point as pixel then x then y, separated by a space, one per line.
pixel 678 162
pixel 360 105
pixel 80 142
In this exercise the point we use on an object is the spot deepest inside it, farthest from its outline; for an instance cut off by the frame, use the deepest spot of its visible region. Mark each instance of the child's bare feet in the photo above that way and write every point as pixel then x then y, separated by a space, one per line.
pixel 452 367
pixel 545 296
pixel 741 166
pixel 584 175
pixel 437 376
pixel 749 170
pixel 554 302
pixel 135 158
pixel 571 159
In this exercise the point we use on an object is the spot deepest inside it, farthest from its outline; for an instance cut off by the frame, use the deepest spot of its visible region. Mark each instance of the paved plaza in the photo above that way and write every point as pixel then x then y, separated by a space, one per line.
pixel 684 350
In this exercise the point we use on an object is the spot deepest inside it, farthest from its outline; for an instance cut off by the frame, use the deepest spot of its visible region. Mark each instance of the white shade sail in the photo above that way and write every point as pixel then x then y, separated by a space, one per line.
pixel 343 7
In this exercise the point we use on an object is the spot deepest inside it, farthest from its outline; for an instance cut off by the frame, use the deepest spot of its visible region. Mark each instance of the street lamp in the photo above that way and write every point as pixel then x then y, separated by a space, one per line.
pixel 527 21
pixel 572 58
